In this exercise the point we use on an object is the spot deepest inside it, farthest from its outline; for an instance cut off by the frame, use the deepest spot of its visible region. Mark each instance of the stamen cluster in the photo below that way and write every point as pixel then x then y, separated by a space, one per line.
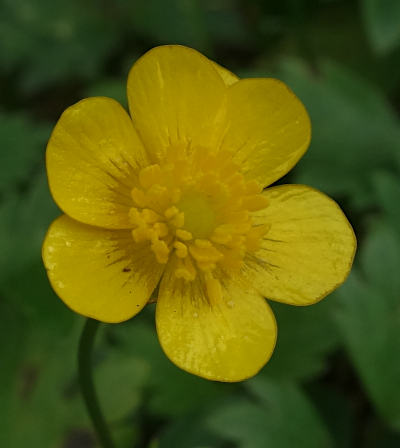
pixel 197 209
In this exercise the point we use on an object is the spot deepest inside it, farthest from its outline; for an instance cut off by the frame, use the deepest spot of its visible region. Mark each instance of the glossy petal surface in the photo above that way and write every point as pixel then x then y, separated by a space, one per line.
pixel 226 341
pixel 307 252
pixel 92 157
pixel 99 273
pixel 175 98
pixel 268 128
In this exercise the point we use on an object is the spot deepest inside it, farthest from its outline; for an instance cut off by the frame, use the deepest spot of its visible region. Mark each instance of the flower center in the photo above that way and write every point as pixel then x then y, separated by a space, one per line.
pixel 199 215
pixel 195 210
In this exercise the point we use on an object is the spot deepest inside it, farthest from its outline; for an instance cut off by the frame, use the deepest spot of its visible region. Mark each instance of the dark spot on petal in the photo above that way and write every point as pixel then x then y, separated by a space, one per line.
pixel 126 270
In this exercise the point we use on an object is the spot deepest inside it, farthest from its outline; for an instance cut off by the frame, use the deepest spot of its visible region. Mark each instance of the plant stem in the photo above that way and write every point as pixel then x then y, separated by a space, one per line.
pixel 86 344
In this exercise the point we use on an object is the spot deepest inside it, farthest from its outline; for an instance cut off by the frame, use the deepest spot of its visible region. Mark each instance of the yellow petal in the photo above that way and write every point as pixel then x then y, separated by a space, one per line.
pixel 268 128
pixel 91 157
pixel 228 77
pixel 308 250
pixel 99 273
pixel 230 340
pixel 175 96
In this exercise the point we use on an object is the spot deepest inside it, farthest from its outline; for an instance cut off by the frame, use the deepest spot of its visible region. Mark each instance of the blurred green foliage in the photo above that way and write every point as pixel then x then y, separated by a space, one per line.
pixel 334 379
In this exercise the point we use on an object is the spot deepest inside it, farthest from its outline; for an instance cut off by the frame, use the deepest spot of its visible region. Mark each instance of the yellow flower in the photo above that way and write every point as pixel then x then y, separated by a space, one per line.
pixel 173 196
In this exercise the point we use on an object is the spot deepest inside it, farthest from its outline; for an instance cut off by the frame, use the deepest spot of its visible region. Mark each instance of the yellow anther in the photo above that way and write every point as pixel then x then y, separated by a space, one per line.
pixel 178 220
pixel 161 250
pixel 206 266
pixel 185 269
pixel 181 249
pixel 170 212
pixel 149 176
pixel 236 184
pixel 255 202
pixel 208 254
pixel 237 241
pixel 152 235
pixel 221 236
pixel 203 243
pixel 158 196
pixel 135 217
pixel 253 187
pixel 183 235
pixel 161 229
pixel 150 216
pixel 214 290
pixel 240 226
pixel 139 197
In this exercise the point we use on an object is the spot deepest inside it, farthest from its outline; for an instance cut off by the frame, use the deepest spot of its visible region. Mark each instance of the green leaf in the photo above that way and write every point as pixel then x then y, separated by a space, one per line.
pixel 379 435
pixel 37 362
pixel 227 26
pixel 40 404
pixel 190 431
pixel 355 132
pixel 370 325
pixel 382 22
pixel 306 336
pixel 168 21
pixel 120 380
pixel 29 290
pixel 349 46
pixel 112 88
pixel 22 144
pixel 11 353
pixel 387 188
pixel 380 261
pixel 279 415
pixel 23 223
pixel 54 40
pixel 174 392
pixel 336 409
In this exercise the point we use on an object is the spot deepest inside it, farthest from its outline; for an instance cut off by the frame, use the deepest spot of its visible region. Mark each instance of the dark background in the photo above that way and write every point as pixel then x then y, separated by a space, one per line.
pixel 334 379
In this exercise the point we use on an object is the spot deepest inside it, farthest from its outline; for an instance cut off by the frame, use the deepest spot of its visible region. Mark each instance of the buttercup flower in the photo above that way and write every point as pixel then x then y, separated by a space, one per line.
pixel 173 195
